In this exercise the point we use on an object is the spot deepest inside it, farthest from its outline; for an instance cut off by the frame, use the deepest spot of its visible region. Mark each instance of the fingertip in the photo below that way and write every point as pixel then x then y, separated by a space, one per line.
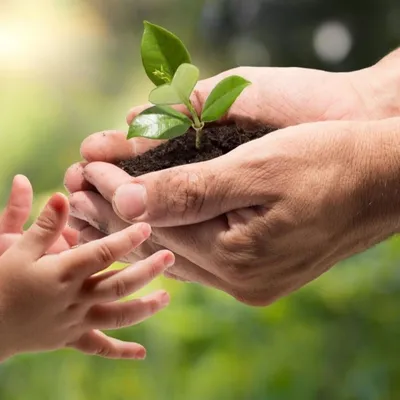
pixel 140 354
pixel 20 178
pixel 169 258
pixel 164 298
pixel 144 228
pixel 21 182
pixel 59 203
pixel 131 115
pixel 135 111
pixel 74 180
pixel 86 145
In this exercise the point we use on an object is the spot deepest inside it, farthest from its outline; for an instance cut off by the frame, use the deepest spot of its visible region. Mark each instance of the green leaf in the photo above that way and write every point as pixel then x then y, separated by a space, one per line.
pixel 222 97
pixel 179 90
pixel 164 94
pixel 159 123
pixel 162 53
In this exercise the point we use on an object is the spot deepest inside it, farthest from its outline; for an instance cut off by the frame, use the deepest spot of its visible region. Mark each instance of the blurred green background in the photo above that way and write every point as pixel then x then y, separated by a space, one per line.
pixel 69 68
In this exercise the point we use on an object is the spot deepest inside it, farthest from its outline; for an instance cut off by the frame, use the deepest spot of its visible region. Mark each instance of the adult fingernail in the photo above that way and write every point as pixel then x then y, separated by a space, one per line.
pixel 130 200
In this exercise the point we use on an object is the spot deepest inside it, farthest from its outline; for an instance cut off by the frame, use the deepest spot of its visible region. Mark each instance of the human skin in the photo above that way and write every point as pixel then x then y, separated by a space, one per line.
pixel 275 213
pixel 52 301
pixel 16 214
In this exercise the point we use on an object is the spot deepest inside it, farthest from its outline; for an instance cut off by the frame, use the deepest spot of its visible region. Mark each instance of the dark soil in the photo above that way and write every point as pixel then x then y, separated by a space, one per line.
pixel 216 141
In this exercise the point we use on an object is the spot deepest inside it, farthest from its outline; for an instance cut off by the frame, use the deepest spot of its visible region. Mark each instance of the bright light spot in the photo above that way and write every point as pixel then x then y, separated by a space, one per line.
pixel 42 36
pixel 332 41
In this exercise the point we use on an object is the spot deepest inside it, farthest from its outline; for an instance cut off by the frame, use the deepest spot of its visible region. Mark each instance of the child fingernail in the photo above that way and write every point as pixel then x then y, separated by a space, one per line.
pixel 164 300
pixel 169 260
pixel 143 228
pixel 141 354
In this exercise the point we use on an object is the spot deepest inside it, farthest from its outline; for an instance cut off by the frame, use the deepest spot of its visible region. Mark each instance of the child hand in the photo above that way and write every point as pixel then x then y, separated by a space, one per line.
pixel 54 301
pixel 16 214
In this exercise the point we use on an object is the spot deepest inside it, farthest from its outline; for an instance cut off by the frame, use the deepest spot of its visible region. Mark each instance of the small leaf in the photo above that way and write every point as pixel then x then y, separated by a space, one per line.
pixel 179 90
pixel 164 94
pixel 159 123
pixel 185 80
pixel 161 51
pixel 222 97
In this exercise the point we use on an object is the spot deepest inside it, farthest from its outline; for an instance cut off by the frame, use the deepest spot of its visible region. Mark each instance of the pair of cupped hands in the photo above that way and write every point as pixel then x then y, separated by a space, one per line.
pixel 275 213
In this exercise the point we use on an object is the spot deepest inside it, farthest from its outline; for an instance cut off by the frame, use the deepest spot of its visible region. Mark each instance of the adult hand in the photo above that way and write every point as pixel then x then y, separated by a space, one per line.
pixel 278 96
pixel 266 218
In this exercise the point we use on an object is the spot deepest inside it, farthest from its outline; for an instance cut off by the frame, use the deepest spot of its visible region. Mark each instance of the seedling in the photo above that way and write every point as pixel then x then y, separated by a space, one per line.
pixel 168 65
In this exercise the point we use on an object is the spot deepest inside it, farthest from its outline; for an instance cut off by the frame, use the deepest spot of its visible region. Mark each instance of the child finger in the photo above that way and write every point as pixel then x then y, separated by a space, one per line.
pixel 119 315
pixel 46 230
pixel 7 240
pixel 19 206
pixel 99 344
pixel 94 257
pixel 130 279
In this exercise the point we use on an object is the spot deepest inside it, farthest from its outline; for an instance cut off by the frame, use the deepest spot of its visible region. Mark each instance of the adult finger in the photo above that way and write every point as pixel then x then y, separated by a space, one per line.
pixel 99 344
pixel 95 210
pixel 76 223
pixel 106 178
pixel 47 229
pixel 19 206
pixel 123 314
pixel 113 146
pixel 190 194
pixel 74 181
pixel 90 234
pixel 130 279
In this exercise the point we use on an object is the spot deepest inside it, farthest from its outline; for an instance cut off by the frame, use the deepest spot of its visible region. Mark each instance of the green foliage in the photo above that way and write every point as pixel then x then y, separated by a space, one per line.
pixel 162 53
pixel 222 97
pixel 180 88
pixel 335 339
pixel 159 122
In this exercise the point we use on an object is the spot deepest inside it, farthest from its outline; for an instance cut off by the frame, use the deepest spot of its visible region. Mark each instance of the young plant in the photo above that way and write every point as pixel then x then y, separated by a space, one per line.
pixel 168 65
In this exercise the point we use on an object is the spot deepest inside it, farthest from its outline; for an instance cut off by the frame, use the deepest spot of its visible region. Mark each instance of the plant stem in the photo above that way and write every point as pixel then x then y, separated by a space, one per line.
pixel 199 134
pixel 197 124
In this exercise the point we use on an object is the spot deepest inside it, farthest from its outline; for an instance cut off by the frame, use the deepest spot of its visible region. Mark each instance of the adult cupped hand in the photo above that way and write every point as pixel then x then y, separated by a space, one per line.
pixel 253 223
pixel 266 218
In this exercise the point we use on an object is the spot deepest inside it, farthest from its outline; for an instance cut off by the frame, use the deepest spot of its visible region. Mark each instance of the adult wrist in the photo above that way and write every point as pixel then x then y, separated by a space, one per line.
pixel 379 178
pixel 379 87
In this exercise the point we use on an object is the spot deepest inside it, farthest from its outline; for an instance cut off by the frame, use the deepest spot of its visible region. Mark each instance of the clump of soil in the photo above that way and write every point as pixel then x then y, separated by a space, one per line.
pixel 216 141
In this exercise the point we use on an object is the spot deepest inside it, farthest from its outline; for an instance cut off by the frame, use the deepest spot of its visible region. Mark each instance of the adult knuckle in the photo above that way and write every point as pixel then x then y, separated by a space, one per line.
pixel 187 192
pixel 237 266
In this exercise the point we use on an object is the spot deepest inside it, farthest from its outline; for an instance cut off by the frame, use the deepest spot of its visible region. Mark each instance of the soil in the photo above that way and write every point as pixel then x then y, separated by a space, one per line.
pixel 216 141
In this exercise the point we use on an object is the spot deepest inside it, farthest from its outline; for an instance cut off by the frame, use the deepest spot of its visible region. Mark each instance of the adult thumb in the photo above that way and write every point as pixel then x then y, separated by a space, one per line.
pixel 184 195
